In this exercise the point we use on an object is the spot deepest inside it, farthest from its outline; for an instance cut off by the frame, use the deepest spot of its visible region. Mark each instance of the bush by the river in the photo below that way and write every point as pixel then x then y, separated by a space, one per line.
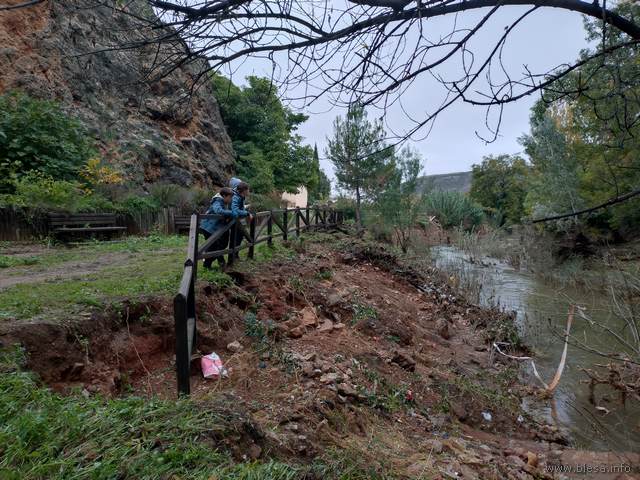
pixel 453 209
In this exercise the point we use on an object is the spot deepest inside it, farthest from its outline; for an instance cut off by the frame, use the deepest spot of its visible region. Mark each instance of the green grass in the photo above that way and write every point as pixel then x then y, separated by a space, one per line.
pixel 44 435
pixel 7 261
pixel 215 277
pixel 325 274
pixel 363 311
pixel 150 273
pixel 384 395
pixel 495 397
pixel 60 254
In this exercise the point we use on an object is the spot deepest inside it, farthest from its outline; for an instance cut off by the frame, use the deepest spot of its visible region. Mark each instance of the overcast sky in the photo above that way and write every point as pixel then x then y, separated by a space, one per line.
pixel 545 39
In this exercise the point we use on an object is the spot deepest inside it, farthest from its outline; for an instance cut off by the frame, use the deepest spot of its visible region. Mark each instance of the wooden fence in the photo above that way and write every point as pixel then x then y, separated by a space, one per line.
pixel 21 224
pixel 265 227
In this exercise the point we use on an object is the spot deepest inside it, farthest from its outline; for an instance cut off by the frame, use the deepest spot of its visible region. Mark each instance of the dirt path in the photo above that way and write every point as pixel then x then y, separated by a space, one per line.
pixel 63 271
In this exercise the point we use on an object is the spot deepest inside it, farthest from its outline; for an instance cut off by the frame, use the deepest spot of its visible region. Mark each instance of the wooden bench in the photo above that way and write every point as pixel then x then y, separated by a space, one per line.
pixel 181 223
pixel 83 223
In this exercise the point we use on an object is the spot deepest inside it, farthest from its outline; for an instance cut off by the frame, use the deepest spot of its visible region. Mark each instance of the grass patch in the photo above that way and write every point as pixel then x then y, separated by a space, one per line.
pixel 384 395
pixel 45 435
pixel 215 277
pixel 60 254
pixel 325 274
pixel 7 261
pixel 297 284
pixel 495 398
pixel 363 312
pixel 150 273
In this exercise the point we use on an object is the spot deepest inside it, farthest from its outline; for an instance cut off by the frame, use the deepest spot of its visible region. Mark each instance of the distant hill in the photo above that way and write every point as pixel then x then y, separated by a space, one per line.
pixel 446 182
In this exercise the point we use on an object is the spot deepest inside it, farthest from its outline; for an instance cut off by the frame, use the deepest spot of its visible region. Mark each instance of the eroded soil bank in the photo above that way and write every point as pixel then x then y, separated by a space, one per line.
pixel 333 347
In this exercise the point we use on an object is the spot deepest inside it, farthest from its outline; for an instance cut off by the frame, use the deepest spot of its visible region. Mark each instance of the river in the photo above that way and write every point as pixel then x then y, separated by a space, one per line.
pixel 541 315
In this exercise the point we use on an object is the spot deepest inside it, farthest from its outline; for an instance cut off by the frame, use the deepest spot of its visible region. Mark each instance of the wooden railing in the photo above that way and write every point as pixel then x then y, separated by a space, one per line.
pixel 265 227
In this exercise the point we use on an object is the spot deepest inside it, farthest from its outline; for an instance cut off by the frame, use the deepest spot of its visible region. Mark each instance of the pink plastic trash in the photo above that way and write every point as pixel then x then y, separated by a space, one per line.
pixel 212 366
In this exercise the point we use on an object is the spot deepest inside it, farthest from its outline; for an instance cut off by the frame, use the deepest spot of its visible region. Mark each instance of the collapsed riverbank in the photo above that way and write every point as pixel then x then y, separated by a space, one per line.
pixel 340 356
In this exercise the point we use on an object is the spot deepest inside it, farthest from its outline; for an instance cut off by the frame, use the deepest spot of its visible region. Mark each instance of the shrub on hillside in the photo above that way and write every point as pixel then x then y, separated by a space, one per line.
pixel 38 135
pixel 133 204
pixel 36 190
pixel 347 206
pixel 453 209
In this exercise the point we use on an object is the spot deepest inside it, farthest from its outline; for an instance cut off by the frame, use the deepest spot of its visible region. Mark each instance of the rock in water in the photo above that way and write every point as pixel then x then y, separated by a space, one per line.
pixel 151 130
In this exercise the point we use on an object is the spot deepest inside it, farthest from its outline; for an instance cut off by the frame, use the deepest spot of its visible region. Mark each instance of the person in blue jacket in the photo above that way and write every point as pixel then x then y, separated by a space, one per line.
pixel 220 205
pixel 240 191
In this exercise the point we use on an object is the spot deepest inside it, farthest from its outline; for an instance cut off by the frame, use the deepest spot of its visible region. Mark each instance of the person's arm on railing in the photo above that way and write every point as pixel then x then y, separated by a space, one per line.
pixel 237 210
pixel 218 209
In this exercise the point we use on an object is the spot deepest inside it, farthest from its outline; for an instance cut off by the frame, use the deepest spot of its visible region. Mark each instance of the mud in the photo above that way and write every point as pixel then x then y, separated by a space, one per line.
pixel 345 349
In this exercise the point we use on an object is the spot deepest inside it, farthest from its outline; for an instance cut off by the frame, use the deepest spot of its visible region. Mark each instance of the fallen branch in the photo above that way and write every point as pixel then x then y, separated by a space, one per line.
pixel 556 379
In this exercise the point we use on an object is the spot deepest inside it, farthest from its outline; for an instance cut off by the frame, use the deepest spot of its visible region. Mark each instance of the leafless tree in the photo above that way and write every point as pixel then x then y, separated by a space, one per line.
pixel 370 51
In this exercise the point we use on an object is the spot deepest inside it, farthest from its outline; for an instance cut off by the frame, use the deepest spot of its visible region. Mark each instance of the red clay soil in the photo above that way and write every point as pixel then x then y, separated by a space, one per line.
pixel 338 350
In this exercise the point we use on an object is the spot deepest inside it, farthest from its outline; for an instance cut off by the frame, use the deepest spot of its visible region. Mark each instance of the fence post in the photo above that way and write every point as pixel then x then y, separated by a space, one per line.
pixel 316 214
pixel 297 213
pixel 182 351
pixel 306 215
pixel 191 301
pixel 285 224
pixel 252 234
pixel 270 229
pixel 232 242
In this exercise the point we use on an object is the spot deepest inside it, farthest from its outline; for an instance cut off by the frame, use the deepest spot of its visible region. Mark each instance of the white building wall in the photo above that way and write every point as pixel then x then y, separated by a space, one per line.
pixel 296 199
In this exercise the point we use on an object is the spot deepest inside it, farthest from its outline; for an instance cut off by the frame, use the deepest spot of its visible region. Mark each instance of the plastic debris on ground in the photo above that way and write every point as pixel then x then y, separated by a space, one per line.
pixel 212 366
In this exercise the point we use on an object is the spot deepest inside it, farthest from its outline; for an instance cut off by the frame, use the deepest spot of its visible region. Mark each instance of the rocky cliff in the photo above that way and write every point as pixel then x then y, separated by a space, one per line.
pixel 446 182
pixel 154 130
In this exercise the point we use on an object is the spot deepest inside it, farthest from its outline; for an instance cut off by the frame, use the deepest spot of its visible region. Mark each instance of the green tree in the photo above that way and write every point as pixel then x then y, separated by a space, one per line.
pixel 600 130
pixel 399 205
pixel 322 188
pixel 363 162
pixel 270 155
pixel 499 184
pixel 37 135
pixel 554 180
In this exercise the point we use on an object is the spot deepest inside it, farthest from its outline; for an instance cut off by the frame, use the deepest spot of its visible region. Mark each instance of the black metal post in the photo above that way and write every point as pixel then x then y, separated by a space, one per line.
pixel 182 351
pixel 252 234
pixel 191 301
pixel 285 224
pixel 297 213
pixel 270 229
pixel 232 242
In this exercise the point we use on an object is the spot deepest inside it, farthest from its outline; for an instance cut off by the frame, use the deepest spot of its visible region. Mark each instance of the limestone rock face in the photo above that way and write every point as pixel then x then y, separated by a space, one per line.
pixel 155 127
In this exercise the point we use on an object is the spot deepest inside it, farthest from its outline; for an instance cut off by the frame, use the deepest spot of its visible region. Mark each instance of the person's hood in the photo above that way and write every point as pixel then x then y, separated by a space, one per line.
pixel 234 182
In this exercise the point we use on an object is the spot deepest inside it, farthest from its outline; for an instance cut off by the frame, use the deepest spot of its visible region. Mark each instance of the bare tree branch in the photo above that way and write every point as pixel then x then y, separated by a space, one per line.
pixel 608 203
pixel 29 3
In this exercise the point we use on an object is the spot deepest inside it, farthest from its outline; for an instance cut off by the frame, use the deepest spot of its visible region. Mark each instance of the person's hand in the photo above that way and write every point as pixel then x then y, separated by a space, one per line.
pixel 250 218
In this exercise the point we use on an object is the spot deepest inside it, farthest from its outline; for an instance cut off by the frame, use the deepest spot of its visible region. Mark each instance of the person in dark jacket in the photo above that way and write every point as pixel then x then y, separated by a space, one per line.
pixel 220 205
pixel 240 192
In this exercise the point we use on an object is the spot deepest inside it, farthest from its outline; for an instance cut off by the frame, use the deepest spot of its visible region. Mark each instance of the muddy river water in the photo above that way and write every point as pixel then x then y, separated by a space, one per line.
pixel 541 314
